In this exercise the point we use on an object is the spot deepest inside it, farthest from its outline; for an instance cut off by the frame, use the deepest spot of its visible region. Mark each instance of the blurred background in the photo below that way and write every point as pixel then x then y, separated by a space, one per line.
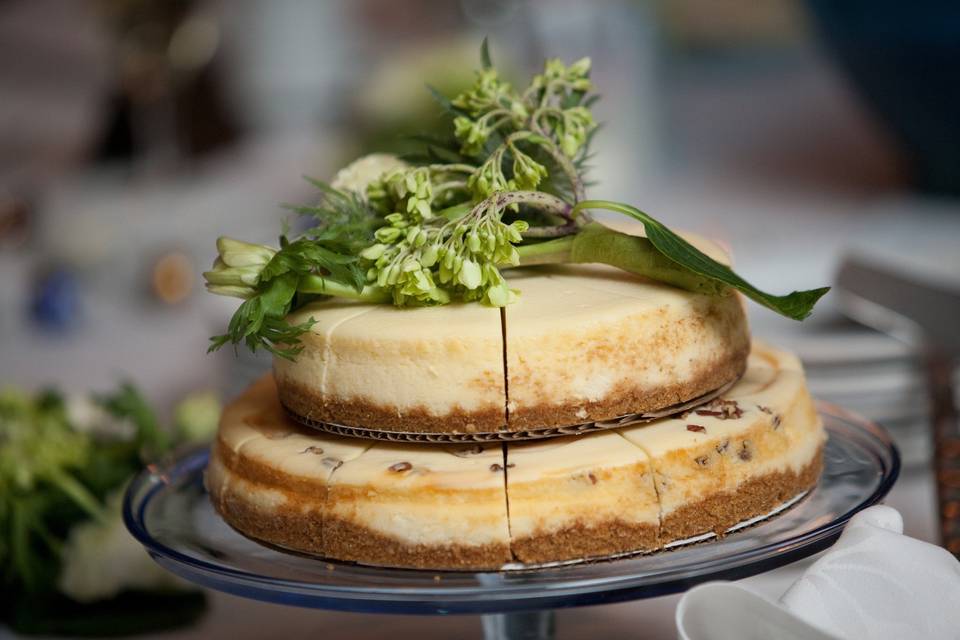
pixel 133 133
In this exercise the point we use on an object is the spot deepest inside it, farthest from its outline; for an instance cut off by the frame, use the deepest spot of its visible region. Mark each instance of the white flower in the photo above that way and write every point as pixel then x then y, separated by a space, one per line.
pixel 361 172
pixel 88 417
pixel 197 416
pixel 102 559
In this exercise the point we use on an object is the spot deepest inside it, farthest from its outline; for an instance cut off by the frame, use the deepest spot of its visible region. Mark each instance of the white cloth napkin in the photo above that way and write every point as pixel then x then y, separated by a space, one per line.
pixel 874 583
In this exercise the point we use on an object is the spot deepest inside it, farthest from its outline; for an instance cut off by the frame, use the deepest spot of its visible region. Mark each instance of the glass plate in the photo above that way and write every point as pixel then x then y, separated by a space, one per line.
pixel 167 510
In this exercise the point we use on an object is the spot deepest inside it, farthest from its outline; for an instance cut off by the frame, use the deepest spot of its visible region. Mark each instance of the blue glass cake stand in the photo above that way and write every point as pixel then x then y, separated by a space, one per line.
pixel 167 510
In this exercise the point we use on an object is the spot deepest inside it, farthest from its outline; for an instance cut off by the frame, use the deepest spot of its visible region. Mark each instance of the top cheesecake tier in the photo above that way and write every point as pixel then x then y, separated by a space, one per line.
pixel 583 344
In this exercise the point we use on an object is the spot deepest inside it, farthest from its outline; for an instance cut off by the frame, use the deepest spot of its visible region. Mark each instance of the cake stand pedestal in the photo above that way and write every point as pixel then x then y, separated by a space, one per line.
pixel 166 508
pixel 526 625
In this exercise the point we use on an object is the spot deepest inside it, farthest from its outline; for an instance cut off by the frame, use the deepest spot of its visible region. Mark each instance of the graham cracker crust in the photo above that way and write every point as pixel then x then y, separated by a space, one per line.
pixel 345 540
pixel 360 413
pixel 586 541
pixel 299 529
pixel 754 497
pixel 626 400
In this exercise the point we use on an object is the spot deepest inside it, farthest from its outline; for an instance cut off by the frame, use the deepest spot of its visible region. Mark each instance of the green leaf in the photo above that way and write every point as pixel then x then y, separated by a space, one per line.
pixel 435 149
pixel 445 102
pixel 796 305
pixel 23 561
pixel 485 60
pixel 260 321
pixel 345 221
pixel 80 495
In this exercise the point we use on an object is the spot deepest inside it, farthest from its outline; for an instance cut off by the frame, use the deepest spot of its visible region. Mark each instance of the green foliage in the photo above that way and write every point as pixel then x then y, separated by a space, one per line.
pixel 344 225
pixel 54 474
pixel 422 263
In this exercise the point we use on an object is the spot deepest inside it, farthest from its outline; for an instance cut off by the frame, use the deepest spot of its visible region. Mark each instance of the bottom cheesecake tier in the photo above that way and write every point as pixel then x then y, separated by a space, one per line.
pixel 635 489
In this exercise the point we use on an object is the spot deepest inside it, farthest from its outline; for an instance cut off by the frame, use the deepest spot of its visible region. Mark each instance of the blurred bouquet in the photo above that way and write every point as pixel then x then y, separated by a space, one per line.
pixel 67 563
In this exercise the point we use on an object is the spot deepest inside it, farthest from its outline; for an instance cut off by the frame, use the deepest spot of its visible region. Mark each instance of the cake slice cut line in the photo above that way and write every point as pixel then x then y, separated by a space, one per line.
pixel 580 496
pixel 506 496
pixel 506 372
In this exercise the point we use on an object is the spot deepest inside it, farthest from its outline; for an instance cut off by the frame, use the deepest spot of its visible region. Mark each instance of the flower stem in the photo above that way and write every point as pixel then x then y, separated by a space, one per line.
pixel 569 170
pixel 543 201
pixel 595 243
pixel 320 285
pixel 550 252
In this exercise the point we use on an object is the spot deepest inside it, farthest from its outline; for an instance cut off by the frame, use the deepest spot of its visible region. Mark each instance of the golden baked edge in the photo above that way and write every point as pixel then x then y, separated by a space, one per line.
pixel 299 523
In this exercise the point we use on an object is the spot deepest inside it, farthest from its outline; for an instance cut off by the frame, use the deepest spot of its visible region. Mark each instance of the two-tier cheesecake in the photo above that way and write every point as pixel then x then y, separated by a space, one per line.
pixel 583 344
pixel 474 369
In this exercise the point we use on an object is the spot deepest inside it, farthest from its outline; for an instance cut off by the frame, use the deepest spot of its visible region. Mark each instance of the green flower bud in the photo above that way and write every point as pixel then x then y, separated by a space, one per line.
pixel 388 235
pixel 423 208
pixel 553 69
pixel 445 273
pixel 231 290
pixel 491 275
pixel 420 282
pixel 579 68
pixel 569 145
pixel 500 295
pixel 393 274
pixel 515 230
pixel 428 257
pixel 221 274
pixel 483 185
pixel 236 253
pixel 373 252
pixel 469 274
pixel 527 172
pixel 473 242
